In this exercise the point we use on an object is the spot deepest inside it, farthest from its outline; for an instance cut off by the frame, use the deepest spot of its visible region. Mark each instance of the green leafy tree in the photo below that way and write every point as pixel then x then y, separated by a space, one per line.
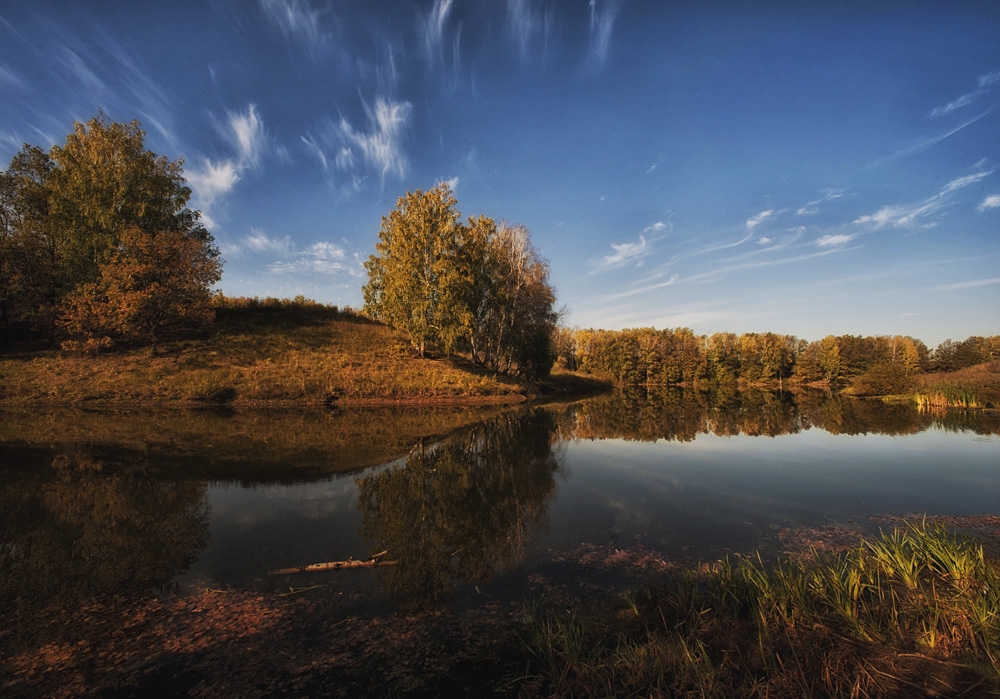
pixel 412 282
pixel 104 182
pixel 64 213
pixel 474 286
pixel 28 261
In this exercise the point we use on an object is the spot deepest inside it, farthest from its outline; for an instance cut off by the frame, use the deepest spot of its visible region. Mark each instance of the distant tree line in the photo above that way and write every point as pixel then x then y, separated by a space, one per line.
pixel 476 287
pixel 97 243
pixel 649 356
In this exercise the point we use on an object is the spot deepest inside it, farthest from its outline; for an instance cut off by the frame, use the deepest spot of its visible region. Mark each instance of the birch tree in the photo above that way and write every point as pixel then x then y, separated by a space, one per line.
pixel 412 279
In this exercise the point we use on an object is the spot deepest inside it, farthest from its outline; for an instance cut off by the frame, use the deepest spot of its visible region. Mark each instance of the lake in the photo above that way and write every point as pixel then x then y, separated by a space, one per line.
pixel 595 495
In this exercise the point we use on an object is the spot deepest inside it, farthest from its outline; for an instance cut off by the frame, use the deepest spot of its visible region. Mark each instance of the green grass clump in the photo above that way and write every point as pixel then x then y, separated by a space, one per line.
pixel 916 609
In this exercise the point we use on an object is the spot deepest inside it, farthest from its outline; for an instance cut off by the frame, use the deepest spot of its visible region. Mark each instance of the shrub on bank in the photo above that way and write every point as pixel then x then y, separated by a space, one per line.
pixel 884 379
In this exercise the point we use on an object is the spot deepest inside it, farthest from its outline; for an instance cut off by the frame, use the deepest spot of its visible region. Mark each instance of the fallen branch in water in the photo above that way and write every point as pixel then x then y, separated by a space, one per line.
pixel 337 565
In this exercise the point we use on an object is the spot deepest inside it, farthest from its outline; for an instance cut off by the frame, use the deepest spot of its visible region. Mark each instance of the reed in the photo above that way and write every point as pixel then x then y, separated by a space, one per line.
pixel 972 387
pixel 917 606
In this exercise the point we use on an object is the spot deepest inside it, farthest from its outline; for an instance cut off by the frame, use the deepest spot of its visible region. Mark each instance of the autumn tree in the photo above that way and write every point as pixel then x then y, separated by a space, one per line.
pixel 27 247
pixel 151 281
pixel 471 286
pixel 511 316
pixel 64 213
pixel 411 277
pixel 104 182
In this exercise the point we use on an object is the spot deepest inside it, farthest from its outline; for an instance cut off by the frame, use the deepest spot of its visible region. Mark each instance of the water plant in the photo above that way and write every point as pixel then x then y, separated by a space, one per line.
pixel 914 609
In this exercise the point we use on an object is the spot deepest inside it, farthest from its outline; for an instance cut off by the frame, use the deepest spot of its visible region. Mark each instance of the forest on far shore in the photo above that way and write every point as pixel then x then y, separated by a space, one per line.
pixel 872 365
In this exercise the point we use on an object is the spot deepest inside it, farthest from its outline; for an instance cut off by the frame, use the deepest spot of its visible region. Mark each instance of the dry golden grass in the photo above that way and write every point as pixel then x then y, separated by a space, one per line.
pixel 257 356
pixel 972 387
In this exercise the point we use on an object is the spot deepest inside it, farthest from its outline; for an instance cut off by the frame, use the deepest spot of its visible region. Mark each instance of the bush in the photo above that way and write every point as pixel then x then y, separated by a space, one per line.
pixel 884 379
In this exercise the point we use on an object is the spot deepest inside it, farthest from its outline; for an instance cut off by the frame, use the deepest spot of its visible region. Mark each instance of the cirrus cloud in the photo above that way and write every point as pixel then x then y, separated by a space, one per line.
pixel 990 202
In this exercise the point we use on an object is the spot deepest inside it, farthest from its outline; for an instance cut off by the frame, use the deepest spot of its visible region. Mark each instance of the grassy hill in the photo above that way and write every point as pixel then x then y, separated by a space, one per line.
pixel 264 354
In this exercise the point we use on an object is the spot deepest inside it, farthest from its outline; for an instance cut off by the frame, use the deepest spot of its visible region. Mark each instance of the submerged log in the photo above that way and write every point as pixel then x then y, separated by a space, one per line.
pixel 337 565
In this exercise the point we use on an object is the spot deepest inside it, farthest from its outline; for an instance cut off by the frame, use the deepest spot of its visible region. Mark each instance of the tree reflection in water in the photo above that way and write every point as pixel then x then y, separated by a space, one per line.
pixel 77 528
pixel 461 510
pixel 680 414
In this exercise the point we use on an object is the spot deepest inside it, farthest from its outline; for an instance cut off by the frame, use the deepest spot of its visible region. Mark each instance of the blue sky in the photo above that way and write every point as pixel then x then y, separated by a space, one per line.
pixel 804 168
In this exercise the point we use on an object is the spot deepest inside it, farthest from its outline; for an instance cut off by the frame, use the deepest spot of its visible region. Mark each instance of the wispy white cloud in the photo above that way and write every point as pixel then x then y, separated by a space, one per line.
pixel 315 149
pixel 249 137
pixel 300 24
pixel 378 145
pixel 646 288
pixel 452 183
pixel 717 274
pixel 984 85
pixel 764 240
pixel 154 103
pixel 381 145
pixel 258 241
pixel 603 14
pixel 526 25
pixel 212 179
pixel 434 24
pixel 906 215
pixel 323 258
pixel 813 207
pixel 10 78
pixel 834 240
pixel 990 202
pixel 755 221
pixel 633 252
pixel 80 73
pixel 967 285
pixel 625 253
pixel 726 246
pixel 929 142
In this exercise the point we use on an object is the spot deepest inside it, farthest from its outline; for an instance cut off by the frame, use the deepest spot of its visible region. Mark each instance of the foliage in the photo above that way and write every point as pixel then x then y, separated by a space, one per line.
pixel 647 356
pixel 885 379
pixel 412 283
pixel 511 316
pixel 65 212
pixel 27 251
pixel 299 307
pixel 952 356
pixel 150 282
pixel 454 286
pixel 971 387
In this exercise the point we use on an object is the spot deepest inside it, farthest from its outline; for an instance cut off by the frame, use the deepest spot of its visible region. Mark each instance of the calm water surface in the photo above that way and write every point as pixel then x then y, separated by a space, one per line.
pixel 90 509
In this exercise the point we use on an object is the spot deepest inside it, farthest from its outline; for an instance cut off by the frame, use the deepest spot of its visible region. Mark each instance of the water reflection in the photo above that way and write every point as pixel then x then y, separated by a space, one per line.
pixel 247 446
pixel 461 510
pixel 678 414
pixel 97 503
pixel 74 528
